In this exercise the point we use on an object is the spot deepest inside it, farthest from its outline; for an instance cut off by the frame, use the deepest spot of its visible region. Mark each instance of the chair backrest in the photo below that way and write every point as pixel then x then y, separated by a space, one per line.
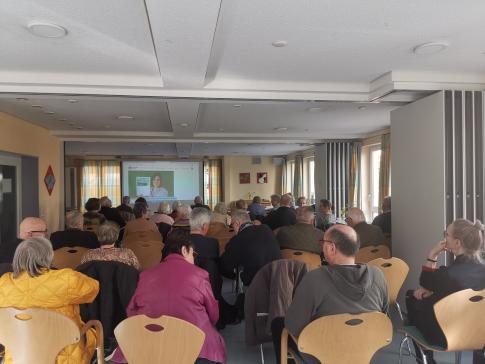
pixel 368 253
pixel 460 317
pixel 311 259
pixel 68 257
pixel 149 253
pixel 36 335
pixel 219 231
pixel 137 236
pixel 395 271
pixel 160 340
pixel 346 338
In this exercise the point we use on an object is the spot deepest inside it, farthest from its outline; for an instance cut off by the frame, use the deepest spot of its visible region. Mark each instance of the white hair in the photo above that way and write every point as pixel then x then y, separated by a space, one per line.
pixel 199 217
pixel 183 212
pixel 74 219
pixel 240 215
pixel 31 256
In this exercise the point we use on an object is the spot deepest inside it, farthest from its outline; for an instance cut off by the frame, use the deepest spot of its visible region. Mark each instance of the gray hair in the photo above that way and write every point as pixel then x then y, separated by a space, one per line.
pixel 221 208
pixel 183 212
pixel 164 207
pixel 240 215
pixel 176 205
pixel 105 201
pixel 74 219
pixel 31 256
pixel 356 214
pixel 286 200
pixel 305 214
pixel 199 217
pixel 275 198
pixel 108 233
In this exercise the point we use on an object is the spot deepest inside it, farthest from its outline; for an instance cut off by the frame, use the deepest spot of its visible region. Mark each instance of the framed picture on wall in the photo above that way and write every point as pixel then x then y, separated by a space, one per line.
pixel 244 178
pixel 262 177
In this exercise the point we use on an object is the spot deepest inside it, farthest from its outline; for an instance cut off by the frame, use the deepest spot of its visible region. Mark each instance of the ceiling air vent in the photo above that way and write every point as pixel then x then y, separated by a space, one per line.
pixel 256 160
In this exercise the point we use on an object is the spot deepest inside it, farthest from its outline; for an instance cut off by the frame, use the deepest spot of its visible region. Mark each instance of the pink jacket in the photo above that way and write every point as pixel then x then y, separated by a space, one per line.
pixel 179 289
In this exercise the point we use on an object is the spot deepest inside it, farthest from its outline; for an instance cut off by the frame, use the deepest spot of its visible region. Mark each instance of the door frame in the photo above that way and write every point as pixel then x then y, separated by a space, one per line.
pixel 10 160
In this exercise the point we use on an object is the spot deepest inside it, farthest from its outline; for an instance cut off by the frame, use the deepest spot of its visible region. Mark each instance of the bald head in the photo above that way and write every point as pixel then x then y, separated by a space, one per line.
pixel 355 216
pixel 286 200
pixel 32 227
pixel 345 239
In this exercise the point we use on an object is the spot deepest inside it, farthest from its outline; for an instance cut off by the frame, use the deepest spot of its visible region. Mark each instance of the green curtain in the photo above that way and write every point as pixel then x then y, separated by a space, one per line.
pixel 385 168
pixel 298 177
pixel 284 182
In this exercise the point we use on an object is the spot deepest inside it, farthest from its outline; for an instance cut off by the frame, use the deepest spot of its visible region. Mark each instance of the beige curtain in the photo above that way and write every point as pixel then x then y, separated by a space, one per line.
pixel 284 182
pixel 101 178
pixel 355 175
pixel 298 177
pixel 385 168
pixel 213 182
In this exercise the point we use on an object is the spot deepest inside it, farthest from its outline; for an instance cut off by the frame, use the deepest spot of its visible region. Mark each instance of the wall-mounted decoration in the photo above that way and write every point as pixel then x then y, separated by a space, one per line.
pixel 49 180
pixel 244 178
pixel 262 177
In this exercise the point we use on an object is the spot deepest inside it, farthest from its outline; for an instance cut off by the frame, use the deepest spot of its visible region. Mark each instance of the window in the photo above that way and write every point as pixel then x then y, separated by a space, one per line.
pixel 290 173
pixel 101 178
pixel 375 168
pixel 370 168
pixel 311 181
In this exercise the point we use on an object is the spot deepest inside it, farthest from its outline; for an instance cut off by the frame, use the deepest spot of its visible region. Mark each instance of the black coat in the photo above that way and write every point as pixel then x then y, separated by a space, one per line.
pixel 283 216
pixel 112 214
pixel 252 248
pixel 207 258
pixel 117 284
pixel 74 237
pixel 7 250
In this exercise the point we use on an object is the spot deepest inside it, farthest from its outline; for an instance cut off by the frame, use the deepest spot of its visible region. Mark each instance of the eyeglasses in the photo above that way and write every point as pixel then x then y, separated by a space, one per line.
pixel 38 231
pixel 327 241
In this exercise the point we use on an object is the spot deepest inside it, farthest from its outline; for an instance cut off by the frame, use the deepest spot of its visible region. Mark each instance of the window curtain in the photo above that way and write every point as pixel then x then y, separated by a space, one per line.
pixel 213 183
pixel 284 182
pixel 385 168
pixel 101 178
pixel 298 177
pixel 355 175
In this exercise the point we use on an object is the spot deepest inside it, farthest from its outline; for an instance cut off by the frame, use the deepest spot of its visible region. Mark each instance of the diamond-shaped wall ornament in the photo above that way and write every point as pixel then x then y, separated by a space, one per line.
pixel 49 180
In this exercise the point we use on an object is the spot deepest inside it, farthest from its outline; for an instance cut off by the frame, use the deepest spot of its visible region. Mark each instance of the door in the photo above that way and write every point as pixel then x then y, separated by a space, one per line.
pixel 9 198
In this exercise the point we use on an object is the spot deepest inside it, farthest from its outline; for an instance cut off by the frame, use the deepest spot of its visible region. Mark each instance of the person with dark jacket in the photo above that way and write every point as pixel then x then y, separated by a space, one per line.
pixel 368 234
pixel 92 217
pixel 198 202
pixel 384 220
pixel 340 287
pixel 125 205
pixel 74 235
pixel 110 213
pixel 253 247
pixel 464 239
pixel 283 216
pixel 256 210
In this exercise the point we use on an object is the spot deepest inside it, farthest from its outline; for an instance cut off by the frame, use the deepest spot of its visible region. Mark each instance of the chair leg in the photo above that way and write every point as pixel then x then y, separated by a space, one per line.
pixel 262 353
pixel 402 320
pixel 457 357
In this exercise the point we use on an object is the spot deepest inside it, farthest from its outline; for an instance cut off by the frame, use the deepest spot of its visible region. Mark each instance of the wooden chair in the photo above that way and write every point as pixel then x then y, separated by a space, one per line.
pixel 37 335
pixel 460 317
pixel 311 259
pixel 365 255
pixel 137 236
pixel 161 340
pixel 219 231
pixel 149 253
pixel 342 339
pixel 68 257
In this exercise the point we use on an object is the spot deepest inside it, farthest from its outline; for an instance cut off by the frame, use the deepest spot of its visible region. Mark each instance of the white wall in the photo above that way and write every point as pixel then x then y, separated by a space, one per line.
pixel 417 147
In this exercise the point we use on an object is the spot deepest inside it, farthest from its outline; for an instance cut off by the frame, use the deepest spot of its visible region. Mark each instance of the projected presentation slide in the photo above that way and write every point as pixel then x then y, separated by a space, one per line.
pixel 161 180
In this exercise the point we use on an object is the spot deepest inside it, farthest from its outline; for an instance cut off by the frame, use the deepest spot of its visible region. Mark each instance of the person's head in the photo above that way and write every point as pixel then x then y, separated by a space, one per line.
pixel 74 220
pixel 198 200
pixel 465 237
pixel 286 200
pixel 301 201
pixel 126 215
pixel 221 208
pixel 256 199
pixel 354 216
pixel 200 219
pixel 340 244
pixel 33 255
pixel 105 201
pixel 142 200
pixel 108 233
pixel 140 210
pixel 325 206
pixel 126 200
pixel 241 205
pixel 305 215
pixel 156 180
pixel 32 227
pixel 183 212
pixel 164 208
pixel 275 200
pixel 176 205
pixel 386 204
pixel 92 204
pixel 238 218
pixel 178 242
pixel 232 207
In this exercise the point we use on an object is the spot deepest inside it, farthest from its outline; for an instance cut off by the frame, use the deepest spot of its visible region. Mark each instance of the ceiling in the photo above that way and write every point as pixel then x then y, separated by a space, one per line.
pixel 203 78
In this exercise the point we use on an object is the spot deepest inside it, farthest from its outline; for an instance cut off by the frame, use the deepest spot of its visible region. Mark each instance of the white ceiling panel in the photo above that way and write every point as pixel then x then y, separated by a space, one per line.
pixel 121 149
pixel 218 149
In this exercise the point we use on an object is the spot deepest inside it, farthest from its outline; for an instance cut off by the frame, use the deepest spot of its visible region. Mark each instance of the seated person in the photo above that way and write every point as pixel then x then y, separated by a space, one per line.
pixel 384 220
pixel 183 217
pixel 125 205
pixel 301 201
pixel 464 239
pixel 30 227
pixel 32 284
pixel 141 222
pixel 74 234
pixel 368 234
pixel 107 236
pixel 241 205
pixel 340 287
pixel 221 215
pixel 324 217
pixel 110 213
pixel 275 202
pixel 303 235
pixel 256 210
pixel 175 206
pixel 92 215
pixel 253 247
pixel 283 216
pixel 199 202
pixel 189 297
pixel 162 214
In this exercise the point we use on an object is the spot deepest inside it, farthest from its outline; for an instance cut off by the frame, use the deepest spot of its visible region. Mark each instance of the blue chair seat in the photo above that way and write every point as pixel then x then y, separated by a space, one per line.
pixel 418 336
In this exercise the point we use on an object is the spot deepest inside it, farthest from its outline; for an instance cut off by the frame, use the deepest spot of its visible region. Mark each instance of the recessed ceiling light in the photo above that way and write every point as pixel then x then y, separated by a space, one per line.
pixel 206 142
pixel 37 106
pixel 107 126
pixel 314 109
pixel 22 99
pixel 49 112
pixel 362 107
pixel 63 119
pixel 221 129
pixel 237 105
pixel 281 129
pixel 184 125
pixel 71 123
pixel 47 30
pixel 125 117
pixel 72 101
pixel 430 48
pixel 279 43
pixel 79 127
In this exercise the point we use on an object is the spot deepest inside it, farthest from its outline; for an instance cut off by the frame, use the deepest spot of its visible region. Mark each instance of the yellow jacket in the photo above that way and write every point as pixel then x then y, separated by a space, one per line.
pixel 58 290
